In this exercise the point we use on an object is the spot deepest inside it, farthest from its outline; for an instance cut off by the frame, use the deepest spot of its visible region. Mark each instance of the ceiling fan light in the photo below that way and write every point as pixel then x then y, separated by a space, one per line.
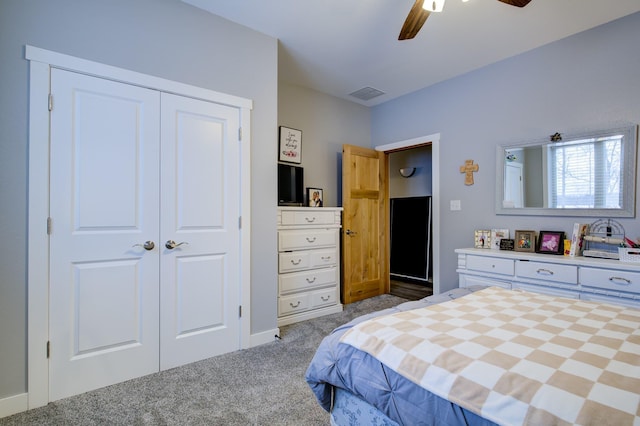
pixel 433 5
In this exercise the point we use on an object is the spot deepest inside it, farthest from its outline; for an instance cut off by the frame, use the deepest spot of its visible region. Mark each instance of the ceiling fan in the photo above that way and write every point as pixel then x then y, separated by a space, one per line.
pixel 418 15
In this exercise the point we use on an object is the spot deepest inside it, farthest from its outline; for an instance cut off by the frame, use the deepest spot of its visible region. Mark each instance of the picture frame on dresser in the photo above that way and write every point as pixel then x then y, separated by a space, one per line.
pixel 315 197
pixel 482 238
pixel 497 235
pixel 550 242
pixel 525 240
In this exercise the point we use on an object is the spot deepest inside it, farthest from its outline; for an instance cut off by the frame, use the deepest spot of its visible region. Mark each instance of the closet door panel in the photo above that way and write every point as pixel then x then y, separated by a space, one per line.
pixel 199 275
pixel 104 207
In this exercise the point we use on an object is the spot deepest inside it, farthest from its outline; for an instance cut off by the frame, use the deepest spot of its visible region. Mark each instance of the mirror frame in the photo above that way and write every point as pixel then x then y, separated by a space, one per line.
pixel 629 166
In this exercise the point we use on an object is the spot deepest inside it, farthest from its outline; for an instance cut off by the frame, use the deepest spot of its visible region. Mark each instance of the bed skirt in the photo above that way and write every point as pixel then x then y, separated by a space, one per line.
pixel 350 410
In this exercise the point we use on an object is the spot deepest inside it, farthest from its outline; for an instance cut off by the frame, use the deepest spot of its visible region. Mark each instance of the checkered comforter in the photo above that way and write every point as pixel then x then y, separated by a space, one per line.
pixel 515 357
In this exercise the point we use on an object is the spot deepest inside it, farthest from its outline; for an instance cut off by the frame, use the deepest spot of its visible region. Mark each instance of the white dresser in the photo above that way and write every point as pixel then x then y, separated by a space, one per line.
pixel 308 263
pixel 585 278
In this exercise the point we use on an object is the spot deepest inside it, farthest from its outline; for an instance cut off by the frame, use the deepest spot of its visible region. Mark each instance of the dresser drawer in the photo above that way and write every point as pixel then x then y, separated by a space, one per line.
pixel 293 261
pixel 493 265
pixel 324 297
pixel 306 239
pixel 323 258
pixel 312 216
pixel 290 261
pixel 297 281
pixel 567 274
pixel 292 304
pixel 610 279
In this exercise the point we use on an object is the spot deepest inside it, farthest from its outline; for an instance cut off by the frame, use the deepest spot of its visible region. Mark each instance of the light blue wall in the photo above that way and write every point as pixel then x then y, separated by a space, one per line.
pixel 585 82
pixel 165 38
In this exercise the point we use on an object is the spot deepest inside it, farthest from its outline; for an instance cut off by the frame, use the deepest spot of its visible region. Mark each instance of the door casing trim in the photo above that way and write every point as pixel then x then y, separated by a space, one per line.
pixel 40 63
pixel 434 141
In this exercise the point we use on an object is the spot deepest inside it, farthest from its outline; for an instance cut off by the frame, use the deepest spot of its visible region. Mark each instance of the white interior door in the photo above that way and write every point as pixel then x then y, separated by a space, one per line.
pixel 199 278
pixel 145 241
pixel 513 186
pixel 104 206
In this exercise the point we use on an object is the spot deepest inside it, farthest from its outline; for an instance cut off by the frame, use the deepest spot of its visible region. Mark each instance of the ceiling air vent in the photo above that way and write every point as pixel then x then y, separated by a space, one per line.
pixel 366 93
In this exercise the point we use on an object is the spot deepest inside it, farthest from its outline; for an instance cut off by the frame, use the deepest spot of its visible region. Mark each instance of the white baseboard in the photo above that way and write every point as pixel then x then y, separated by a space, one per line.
pixel 14 404
pixel 264 337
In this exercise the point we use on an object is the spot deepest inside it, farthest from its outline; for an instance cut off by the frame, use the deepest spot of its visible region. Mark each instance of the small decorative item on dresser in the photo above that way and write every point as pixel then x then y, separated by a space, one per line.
pixel 550 242
pixel 525 241
pixel 482 238
pixel 629 254
pixel 507 244
pixel 498 235
pixel 314 197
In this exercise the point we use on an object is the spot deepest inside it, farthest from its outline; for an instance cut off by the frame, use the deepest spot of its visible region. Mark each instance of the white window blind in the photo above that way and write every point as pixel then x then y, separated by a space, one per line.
pixel 586 173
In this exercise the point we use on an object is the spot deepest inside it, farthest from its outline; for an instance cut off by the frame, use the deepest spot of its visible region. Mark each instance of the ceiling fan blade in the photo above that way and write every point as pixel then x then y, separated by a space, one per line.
pixel 517 3
pixel 415 19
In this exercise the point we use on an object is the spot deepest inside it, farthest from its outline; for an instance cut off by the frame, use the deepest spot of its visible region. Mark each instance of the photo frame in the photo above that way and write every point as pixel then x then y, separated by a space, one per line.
pixel 498 235
pixel 550 242
pixel 315 197
pixel 525 241
pixel 290 146
pixel 482 238
pixel 507 244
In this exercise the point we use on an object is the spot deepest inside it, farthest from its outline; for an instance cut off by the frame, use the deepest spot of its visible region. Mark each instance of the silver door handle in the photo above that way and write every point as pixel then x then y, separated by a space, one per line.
pixel 170 244
pixel 350 233
pixel 148 245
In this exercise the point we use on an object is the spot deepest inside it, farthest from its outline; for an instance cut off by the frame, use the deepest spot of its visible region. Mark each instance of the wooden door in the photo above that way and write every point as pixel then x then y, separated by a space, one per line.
pixel 365 269
pixel 199 210
pixel 103 207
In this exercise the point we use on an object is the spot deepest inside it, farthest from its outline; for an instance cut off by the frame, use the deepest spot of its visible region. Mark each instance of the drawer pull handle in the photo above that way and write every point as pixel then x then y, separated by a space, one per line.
pixel 311 281
pixel 313 219
pixel 296 263
pixel 311 240
pixel 294 306
pixel 325 300
pixel 326 257
pixel 616 280
pixel 543 271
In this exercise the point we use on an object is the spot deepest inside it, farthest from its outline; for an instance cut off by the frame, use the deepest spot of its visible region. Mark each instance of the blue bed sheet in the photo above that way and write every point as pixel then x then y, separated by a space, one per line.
pixel 342 366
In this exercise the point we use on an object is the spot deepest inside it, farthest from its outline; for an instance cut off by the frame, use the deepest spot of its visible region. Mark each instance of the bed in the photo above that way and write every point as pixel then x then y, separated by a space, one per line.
pixel 483 356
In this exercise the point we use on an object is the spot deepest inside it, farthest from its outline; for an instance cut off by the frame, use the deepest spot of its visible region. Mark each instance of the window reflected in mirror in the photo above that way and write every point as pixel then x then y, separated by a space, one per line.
pixel 583 175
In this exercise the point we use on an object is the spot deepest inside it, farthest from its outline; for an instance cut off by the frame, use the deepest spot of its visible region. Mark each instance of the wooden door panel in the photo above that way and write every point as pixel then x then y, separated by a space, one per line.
pixel 365 264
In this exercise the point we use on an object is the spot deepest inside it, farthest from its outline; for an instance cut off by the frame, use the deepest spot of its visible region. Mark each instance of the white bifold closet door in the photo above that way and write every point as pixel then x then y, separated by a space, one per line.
pixel 144 238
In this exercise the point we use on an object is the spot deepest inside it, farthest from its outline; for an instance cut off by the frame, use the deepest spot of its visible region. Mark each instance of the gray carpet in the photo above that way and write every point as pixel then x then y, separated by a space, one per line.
pixel 259 386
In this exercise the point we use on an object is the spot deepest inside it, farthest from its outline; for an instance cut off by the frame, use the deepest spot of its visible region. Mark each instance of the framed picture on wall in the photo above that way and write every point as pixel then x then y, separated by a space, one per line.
pixel 290 146
pixel 314 197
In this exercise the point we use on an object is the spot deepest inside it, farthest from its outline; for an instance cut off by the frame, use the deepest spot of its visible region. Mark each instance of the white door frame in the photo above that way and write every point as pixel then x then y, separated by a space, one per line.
pixel 434 139
pixel 40 62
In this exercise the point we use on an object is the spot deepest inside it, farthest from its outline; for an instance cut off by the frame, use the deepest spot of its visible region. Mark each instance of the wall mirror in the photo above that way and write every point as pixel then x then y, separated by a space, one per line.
pixel 592 174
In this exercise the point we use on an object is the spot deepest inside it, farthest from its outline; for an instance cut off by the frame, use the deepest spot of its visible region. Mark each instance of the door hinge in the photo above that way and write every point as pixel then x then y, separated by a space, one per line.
pixel 239 222
pixel 48 348
pixel 239 133
pixel 240 311
pixel 50 102
pixel 49 225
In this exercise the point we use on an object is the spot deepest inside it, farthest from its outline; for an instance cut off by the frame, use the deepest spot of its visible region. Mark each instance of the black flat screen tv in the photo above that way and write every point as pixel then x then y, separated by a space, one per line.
pixel 290 185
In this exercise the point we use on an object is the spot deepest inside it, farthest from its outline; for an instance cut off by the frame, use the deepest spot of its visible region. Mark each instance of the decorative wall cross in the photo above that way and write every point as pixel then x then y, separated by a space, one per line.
pixel 468 170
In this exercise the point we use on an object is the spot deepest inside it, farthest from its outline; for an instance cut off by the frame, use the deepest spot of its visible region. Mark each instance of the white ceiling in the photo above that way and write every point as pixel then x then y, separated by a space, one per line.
pixel 340 46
